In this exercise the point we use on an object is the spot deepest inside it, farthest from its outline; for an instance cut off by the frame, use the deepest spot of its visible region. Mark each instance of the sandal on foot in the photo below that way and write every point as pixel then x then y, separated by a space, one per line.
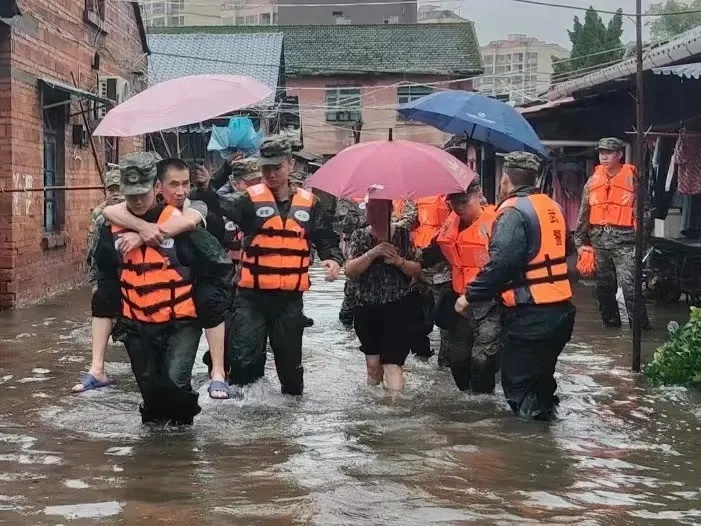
pixel 217 385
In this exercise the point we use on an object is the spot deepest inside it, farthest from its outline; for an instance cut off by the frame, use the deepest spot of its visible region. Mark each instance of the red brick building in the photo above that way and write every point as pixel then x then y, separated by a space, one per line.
pixel 62 63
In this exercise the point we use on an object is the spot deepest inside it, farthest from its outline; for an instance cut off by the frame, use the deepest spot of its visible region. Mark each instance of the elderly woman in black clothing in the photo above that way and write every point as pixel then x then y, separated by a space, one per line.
pixel 383 263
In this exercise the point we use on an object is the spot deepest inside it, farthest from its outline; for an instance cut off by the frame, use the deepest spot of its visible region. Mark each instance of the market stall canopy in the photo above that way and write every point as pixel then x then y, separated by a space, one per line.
pixel 392 170
pixel 476 116
pixel 689 71
pixel 182 101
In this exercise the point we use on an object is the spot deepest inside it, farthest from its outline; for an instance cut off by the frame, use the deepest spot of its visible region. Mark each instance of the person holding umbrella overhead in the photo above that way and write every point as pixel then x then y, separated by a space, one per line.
pixel 381 258
pixel 474 339
pixel 527 270
pixel 382 263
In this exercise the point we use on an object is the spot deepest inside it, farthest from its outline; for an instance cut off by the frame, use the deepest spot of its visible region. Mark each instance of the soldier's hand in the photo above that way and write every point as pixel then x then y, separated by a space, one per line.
pixel 151 235
pixel 332 269
pixel 129 241
pixel 461 305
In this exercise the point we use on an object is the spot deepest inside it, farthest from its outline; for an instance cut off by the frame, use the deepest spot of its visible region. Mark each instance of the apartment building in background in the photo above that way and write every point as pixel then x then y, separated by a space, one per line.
pixel 298 13
pixel 179 13
pixel 435 14
pixel 518 68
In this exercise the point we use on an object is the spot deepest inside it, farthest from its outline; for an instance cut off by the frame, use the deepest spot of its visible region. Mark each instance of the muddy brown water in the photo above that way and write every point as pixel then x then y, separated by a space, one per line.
pixel 621 453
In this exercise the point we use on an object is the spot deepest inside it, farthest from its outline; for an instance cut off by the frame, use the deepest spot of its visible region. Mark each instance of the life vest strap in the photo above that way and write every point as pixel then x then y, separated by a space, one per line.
pixel 153 309
pixel 140 268
pixel 256 251
pixel 142 290
pixel 258 270
pixel 275 232
pixel 548 263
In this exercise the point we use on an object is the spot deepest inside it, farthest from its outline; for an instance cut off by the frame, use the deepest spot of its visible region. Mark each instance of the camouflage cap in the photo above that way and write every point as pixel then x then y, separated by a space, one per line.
pixel 274 150
pixel 462 197
pixel 523 161
pixel 138 172
pixel 245 169
pixel 112 177
pixel 611 144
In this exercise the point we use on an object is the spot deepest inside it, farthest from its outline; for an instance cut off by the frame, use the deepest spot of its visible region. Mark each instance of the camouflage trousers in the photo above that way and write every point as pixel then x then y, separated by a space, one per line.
pixel 614 268
pixel 443 349
pixel 474 348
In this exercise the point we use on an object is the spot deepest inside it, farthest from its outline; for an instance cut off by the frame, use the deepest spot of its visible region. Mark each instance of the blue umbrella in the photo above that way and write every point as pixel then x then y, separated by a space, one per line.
pixel 478 117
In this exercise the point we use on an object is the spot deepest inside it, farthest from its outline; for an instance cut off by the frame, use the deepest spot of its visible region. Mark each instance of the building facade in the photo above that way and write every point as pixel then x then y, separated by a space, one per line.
pixel 347 76
pixel 54 62
pixel 431 14
pixel 299 12
pixel 518 68
pixel 179 13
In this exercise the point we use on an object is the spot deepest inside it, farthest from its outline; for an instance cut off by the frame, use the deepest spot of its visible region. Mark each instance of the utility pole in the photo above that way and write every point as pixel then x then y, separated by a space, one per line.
pixel 642 186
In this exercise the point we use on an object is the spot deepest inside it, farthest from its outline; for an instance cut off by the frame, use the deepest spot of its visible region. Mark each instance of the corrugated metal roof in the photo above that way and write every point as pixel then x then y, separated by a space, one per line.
pixel 689 71
pixel 439 49
pixel 685 46
pixel 178 55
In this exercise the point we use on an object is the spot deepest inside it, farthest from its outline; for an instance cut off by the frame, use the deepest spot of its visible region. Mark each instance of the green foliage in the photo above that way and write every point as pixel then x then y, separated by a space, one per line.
pixel 663 27
pixel 678 360
pixel 593 44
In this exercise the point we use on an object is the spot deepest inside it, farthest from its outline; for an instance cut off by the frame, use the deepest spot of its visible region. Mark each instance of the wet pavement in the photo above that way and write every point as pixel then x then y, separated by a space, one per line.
pixel 622 453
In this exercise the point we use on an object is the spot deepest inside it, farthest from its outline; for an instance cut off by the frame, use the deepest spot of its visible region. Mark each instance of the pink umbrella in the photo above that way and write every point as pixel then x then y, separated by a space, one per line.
pixel 392 170
pixel 181 101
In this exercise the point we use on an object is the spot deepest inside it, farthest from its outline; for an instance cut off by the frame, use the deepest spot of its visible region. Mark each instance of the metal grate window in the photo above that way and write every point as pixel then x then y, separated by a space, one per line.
pixel 343 105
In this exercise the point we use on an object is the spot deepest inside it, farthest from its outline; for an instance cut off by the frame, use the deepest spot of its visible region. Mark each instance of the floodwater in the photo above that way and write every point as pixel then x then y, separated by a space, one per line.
pixel 621 453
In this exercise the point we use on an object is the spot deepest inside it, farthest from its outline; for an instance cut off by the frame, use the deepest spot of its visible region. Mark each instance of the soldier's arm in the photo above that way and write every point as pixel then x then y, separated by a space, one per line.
pixel 410 216
pixel 432 255
pixel 323 236
pixel 193 214
pixel 581 230
pixel 236 206
pixel 508 256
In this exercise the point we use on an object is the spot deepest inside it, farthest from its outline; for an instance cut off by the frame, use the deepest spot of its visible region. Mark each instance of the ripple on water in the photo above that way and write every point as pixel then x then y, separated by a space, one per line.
pixel 96 510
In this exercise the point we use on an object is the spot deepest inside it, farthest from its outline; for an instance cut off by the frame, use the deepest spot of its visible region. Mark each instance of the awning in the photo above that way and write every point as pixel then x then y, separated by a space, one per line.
pixel 528 110
pixel 689 71
pixel 72 92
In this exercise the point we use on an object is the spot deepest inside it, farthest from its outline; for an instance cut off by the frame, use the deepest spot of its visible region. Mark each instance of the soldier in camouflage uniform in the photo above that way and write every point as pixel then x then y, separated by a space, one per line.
pixel 268 306
pixel 614 246
pixel 537 314
pixel 101 321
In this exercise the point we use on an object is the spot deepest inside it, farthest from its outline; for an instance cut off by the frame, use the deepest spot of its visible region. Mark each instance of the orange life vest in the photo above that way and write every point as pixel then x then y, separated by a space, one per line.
pixel 466 250
pixel 545 278
pixel 155 286
pixel 612 199
pixel 433 212
pixel 276 254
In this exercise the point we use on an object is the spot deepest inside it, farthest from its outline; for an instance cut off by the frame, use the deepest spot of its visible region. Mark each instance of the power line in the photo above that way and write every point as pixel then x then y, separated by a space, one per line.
pixel 214 3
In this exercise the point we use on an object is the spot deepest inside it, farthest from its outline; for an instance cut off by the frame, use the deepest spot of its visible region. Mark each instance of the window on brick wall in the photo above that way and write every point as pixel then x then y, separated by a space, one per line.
pixel 54 135
pixel 343 105
pixel 407 94
pixel 111 151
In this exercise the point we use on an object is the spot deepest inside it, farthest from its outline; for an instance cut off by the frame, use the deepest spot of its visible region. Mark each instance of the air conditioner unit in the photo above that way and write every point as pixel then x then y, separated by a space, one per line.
pixel 115 89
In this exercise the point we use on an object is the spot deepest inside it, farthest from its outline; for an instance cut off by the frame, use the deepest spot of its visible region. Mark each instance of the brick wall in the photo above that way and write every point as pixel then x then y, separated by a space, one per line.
pixel 6 254
pixel 378 99
pixel 53 40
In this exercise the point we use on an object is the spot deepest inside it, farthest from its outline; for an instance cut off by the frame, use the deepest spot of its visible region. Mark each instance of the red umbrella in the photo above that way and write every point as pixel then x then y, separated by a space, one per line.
pixel 182 101
pixel 392 170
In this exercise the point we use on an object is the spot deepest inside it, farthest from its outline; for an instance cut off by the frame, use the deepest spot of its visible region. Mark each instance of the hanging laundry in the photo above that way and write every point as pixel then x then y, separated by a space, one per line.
pixel 687 153
pixel 568 182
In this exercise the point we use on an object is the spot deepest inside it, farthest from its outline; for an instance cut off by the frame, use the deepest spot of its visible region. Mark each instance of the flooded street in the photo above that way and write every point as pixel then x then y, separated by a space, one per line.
pixel 621 453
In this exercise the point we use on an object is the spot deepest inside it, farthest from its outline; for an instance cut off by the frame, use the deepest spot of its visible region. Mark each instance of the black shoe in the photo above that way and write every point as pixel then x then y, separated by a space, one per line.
pixel 307 322
pixel 611 324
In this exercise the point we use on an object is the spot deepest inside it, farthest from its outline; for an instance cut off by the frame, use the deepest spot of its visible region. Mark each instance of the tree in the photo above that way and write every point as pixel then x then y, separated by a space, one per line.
pixel 663 27
pixel 593 44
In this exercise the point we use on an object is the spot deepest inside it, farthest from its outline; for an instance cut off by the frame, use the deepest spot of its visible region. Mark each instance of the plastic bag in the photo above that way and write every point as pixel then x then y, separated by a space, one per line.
pixel 238 136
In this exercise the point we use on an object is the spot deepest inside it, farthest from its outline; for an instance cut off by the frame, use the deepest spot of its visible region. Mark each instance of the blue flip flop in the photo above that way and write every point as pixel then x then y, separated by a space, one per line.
pixel 217 385
pixel 90 382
